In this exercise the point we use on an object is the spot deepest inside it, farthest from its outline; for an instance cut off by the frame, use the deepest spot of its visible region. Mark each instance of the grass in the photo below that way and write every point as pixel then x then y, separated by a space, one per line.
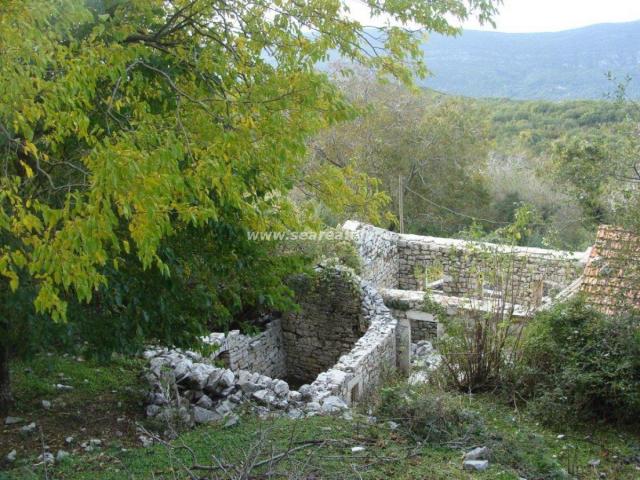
pixel 105 403
pixel 521 448
pixel 37 378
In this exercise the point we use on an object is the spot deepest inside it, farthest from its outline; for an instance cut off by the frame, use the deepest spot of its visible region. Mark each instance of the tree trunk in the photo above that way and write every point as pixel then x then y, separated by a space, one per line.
pixel 6 399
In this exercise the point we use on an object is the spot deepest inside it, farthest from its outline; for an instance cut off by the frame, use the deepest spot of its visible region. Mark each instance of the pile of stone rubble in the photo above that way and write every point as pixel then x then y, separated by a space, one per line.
pixel 424 356
pixel 185 385
pixel 424 359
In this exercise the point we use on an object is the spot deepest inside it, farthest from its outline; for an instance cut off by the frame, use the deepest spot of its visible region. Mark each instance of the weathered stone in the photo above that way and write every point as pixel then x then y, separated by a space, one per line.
pixel 46 457
pixel 281 388
pixel 158 399
pixel 227 379
pixel 306 392
pixel 146 441
pixel 205 402
pixel 213 380
pixel 264 397
pixel 479 453
pixel 313 407
pixel 153 410
pixel 475 465
pixel 295 396
pixel 13 420
pixel 11 456
pixel 27 429
pixel 181 370
pixel 224 407
pixel 232 420
pixel 61 455
pixel 202 415
pixel 198 375
pixel 333 404
pixel 295 413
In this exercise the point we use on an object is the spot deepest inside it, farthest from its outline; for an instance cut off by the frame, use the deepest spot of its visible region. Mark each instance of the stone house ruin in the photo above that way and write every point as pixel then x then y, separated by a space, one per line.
pixel 352 329
pixel 460 275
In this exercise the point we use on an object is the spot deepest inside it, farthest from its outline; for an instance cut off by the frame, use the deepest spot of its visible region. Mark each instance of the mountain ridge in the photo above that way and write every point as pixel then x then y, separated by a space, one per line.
pixel 564 65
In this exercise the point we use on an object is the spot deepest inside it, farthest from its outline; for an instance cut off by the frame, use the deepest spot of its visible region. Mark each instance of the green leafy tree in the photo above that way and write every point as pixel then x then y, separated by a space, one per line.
pixel 438 146
pixel 583 165
pixel 124 122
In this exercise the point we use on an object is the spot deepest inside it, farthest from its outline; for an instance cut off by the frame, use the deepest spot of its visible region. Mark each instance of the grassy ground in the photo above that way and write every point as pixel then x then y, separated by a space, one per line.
pixel 105 403
pixel 318 447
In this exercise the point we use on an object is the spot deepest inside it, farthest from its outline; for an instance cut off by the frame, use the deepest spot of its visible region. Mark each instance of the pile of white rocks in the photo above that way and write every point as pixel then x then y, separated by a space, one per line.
pixel 185 385
pixel 424 359
pixel 424 356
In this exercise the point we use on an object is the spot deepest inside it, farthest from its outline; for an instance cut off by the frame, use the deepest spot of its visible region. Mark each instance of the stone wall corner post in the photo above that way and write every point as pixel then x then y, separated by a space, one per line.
pixel 403 345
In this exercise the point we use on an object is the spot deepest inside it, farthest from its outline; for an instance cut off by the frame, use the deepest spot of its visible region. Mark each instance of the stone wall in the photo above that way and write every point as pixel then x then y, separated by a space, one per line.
pixel 263 353
pixel 360 372
pixel 409 305
pixel 378 252
pixel 328 324
pixel 402 261
pixel 466 267
pixel 342 341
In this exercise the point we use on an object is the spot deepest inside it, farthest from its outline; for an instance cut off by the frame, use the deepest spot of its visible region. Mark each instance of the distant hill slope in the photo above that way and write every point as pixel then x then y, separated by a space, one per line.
pixel 562 65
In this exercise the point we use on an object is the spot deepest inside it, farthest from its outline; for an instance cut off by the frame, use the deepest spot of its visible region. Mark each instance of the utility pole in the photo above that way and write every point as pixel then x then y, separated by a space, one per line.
pixel 401 203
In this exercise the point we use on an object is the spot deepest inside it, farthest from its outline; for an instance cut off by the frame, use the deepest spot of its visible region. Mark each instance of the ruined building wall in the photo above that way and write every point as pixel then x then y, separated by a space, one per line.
pixel 378 252
pixel 263 353
pixel 360 371
pixel 402 261
pixel 328 324
pixel 463 264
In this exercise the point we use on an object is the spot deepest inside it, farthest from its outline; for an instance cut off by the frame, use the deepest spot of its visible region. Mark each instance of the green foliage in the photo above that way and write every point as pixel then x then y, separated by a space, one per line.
pixel 428 416
pixel 520 447
pixel 35 379
pixel 141 140
pixel 536 125
pixel 579 364
pixel 328 247
pixel 437 144
pixel 158 115
pixel 429 305
pixel 585 167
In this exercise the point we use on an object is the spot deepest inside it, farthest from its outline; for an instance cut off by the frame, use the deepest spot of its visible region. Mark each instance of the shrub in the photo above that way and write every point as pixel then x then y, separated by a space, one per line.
pixel 578 363
pixel 430 416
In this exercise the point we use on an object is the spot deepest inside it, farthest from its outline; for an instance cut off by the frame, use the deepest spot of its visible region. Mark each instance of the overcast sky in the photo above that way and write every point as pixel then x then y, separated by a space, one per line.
pixel 547 15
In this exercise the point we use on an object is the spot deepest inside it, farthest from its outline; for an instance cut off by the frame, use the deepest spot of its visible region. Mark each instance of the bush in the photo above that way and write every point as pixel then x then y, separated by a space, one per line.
pixel 428 416
pixel 579 364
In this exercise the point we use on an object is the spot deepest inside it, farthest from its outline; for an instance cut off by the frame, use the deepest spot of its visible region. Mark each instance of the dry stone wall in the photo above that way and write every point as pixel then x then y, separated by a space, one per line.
pixel 329 323
pixel 401 261
pixel 466 266
pixel 409 305
pixel 378 252
pixel 341 342
pixel 361 370
pixel 263 353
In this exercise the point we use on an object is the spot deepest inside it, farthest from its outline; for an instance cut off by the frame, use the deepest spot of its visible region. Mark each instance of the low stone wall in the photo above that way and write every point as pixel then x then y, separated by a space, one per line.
pixel 341 342
pixel 409 262
pixel 466 266
pixel 263 353
pixel 410 306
